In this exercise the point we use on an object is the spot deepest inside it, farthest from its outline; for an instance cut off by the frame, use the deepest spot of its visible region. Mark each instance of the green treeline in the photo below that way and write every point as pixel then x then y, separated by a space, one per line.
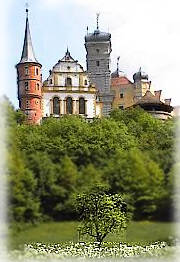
pixel 131 152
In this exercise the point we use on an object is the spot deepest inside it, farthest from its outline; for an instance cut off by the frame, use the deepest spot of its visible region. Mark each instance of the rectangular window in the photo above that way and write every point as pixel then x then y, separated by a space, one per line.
pixel 26 71
pixel 121 95
pixel 97 63
pixel 26 85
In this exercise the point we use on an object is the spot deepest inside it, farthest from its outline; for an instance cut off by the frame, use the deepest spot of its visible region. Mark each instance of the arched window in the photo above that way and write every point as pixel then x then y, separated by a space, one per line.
pixel 56 106
pixel 81 105
pixel 68 81
pixel 69 108
pixel 85 82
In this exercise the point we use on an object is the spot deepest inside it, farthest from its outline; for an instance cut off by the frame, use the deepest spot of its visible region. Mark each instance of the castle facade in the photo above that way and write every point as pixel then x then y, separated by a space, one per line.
pixel 69 89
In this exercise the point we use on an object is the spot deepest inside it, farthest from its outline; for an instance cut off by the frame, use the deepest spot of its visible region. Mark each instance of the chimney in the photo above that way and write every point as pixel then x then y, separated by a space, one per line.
pixel 167 101
pixel 158 94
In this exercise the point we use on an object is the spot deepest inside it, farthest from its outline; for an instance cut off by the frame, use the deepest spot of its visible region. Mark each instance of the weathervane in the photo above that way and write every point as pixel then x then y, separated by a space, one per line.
pixel 27 7
pixel 97 19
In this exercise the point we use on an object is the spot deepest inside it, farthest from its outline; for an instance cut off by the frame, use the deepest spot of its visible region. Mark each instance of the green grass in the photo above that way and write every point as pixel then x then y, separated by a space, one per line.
pixel 54 232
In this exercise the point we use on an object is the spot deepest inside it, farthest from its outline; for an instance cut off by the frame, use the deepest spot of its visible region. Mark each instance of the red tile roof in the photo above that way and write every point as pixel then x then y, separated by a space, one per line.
pixel 122 80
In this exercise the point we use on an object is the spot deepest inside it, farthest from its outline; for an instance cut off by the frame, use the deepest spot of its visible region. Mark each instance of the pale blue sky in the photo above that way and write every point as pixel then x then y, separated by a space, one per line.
pixel 144 33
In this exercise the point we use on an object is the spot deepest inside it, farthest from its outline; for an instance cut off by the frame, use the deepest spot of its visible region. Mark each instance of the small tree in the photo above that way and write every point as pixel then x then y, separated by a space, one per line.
pixel 101 213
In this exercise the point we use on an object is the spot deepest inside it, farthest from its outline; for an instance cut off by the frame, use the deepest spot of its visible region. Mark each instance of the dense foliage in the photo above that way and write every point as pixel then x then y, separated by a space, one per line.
pixel 131 152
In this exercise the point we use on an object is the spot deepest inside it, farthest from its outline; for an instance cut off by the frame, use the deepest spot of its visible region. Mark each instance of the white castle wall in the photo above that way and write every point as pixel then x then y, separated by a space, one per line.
pixel 90 102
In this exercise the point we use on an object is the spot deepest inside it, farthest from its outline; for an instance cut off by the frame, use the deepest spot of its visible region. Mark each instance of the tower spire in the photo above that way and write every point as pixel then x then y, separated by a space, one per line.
pixel 118 65
pixel 27 52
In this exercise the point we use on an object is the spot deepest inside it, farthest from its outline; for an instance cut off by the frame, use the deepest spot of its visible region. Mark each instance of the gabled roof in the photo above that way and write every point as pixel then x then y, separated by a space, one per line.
pixel 28 52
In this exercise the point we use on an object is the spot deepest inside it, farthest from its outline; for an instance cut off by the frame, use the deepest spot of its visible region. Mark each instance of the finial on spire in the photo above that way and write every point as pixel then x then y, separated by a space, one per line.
pixel 67 52
pixel 27 8
pixel 97 20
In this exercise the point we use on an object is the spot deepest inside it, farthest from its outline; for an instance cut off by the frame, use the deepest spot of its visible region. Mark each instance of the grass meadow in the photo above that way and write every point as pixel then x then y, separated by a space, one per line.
pixel 143 233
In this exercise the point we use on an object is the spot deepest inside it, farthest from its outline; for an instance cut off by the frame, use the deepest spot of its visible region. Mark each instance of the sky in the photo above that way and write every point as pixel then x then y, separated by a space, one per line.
pixel 144 33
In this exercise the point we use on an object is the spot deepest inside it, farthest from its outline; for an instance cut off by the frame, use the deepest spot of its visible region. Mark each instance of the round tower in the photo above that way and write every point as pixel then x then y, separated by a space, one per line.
pixel 29 80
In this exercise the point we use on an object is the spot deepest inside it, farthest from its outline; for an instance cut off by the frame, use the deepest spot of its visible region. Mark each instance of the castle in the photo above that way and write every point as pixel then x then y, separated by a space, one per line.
pixel 69 89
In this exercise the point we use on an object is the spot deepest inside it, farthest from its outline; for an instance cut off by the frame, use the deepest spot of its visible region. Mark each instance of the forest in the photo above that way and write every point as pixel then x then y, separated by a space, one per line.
pixel 129 152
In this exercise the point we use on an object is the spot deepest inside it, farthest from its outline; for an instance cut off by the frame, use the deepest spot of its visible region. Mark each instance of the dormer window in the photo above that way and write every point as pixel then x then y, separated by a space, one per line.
pixel 68 81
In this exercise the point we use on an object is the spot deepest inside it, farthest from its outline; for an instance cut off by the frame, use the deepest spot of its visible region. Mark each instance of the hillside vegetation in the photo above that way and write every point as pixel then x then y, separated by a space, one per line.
pixel 131 152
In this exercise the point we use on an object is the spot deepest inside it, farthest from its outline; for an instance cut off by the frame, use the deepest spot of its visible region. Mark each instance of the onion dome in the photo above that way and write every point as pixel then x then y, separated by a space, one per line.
pixel 140 76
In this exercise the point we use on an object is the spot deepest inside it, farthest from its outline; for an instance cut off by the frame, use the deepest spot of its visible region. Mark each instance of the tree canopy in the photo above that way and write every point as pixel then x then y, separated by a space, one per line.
pixel 131 152
pixel 100 213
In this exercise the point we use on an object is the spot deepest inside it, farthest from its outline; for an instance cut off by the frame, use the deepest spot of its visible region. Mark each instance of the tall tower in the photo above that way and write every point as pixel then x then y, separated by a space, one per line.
pixel 29 80
pixel 98 48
